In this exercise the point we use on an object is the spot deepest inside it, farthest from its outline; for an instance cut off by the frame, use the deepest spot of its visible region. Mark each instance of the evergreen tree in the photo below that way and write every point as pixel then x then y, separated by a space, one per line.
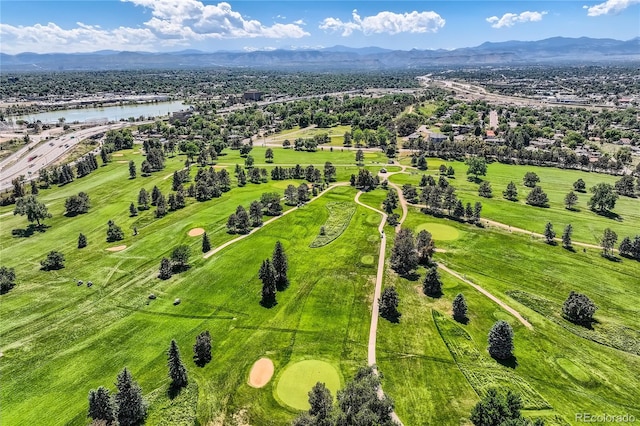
pixel 432 286
pixel 530 179
pixel 303 193
pixel 496 409
pixel 114 232
pixel 626 247
pixel 206 244
pixel 549 233
pixel 511 193
pixel 34 188
pixel 404 258
pixel 82 241
pixel 458 210
pixel 202 349
pixel 7 279
pixel 130 406
pixel 280 266
pixel 537 197
pixel 320 402
pixel 578 308
pixel 165 269
pixel 242 220
pixel 161 207
pixel 609 238
pixel 268 277
pixel 424 247
pixel 155 195
pixel 501 340
pixel 255 213
pixel 459 308
pixel 132 169
pixel 133 210
pixel 53 261
pixel 484 190
pixel 101 405
pixel 468 212
pixel 388 303
pixel 566 236
pixel 231 223
pixel 580 186
pixel 177 370
pixel 143 199
pixel 477 208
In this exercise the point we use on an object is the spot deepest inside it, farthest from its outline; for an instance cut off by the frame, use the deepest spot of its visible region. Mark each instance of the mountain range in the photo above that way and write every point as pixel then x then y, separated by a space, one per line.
pixel 552 50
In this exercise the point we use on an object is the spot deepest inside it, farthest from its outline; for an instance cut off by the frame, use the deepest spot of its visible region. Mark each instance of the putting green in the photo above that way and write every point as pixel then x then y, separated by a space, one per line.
pixel 297 379
pixel 439 231
pixel 366 259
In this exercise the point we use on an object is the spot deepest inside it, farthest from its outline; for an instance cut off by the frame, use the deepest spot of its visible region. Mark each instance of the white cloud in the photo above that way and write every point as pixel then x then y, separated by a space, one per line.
pixel 510 19
pixel 610 6
pixel 386 22
pixel 191 19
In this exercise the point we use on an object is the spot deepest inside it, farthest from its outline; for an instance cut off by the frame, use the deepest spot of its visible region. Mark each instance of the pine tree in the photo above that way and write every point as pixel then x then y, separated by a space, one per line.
pixel 501 340
pixel 177 370
pixel 131 407
pixel 320 402
pixel 404 257
pixel 133 210
pixel 459 308
pixel 432 286
pixel 566 236
pixel 511 193
pixel 101 405
pixel 242 220
pixel 424 247
pixel 206 244
pixel 549 233
pixel 268 277
pixel 132 170
pixel 255 213
pixel 143 199
pixel 161 207
pixel 82 241
pixel 389 304
pixel 114 232
pixel 280 266
pixel 202 349
pixel 165 269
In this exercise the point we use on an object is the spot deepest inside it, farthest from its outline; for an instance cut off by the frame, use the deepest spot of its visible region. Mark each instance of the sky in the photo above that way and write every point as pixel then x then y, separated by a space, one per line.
pixel 72 26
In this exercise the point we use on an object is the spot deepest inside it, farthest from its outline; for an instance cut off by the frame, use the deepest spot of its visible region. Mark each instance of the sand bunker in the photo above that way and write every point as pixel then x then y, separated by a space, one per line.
pixel 117 248
pixel 122 161
pixel 196 231
pixel 118 155
pixel 261 372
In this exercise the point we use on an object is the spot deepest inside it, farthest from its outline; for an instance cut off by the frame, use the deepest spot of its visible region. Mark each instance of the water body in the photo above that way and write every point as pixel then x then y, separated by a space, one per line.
pixel 109 113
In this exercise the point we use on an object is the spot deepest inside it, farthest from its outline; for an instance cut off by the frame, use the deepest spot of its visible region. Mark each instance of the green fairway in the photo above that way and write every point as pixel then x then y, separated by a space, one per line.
pixel 439 231
pixel 297 379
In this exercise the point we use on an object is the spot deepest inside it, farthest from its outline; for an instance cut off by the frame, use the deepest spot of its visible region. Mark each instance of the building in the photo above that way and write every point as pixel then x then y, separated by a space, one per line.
pixel 437 138
pixel 252 95
pixel 181 116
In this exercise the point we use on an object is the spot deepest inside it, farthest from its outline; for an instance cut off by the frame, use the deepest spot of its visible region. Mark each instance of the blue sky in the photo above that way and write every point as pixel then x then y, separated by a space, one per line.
pixel 169 25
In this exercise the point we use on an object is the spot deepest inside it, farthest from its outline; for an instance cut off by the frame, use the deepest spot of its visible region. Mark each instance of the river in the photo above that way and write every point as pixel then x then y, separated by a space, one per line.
pixel 109 113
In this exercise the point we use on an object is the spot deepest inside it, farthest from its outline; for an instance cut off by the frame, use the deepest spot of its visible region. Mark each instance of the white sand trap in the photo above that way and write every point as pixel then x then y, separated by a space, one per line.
pixel 196 231
pixel 118 155
pixel 261 372
pixel 117 248
pixel 122 161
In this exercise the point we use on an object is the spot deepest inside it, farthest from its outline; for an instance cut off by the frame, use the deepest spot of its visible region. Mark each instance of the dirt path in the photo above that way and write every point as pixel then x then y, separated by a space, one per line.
pixel 375 309
pixel 489 295
pixel 228 243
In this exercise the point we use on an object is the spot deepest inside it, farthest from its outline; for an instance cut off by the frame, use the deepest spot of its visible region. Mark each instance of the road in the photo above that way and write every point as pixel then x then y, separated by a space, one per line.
pixel 44 154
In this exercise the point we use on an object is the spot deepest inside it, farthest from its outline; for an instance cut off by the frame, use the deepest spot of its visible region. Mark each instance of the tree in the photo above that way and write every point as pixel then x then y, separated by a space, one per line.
pixel 421 163
pixel 425 247
pixel 511 193
pixel 291 195
pixel 496 409
pixel 18 188
pixel 248 162
pixel 390 202
pixel 180 257
pixel 579 309
pixel 242 220
pixel 7 279
pixel 537 197
pixel 165 269
pixel 484 190
pixel 34 188
pixel 206 244
pixel 77 204
pixel 603 198
pixel 609 238
pixel 268 155
pixel 626 247
pixel 130 406
pixel 626 186
pixel 114 232
pixel 53 261
pixel 389 304
pixel 359 402
pixel 477 167
pixel 161 207
pixel 579 186
pixel 132 169
pixel 32 208
pixel 271 201
pixel 255 213
pixel 280 266
pixel 530 179
pixel 432 286
pixel 359 157
pixel 404 258
pixel 202 349
pixel 82 241
pixel 320 402
pixel 566 236
pixel 549 233
pixel 477 209
pixel 570 200
pixel 177 370
pixel 143 199
pixel 101 405
pixel 459 307
pixel 501 340
pixel 268 277
pixel 303 193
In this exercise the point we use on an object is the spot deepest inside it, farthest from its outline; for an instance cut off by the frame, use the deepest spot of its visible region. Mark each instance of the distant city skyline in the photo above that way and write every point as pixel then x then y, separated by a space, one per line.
pixel 48 26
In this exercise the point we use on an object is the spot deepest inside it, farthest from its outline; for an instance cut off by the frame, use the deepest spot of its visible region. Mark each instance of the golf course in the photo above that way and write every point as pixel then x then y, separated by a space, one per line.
pixel 59 339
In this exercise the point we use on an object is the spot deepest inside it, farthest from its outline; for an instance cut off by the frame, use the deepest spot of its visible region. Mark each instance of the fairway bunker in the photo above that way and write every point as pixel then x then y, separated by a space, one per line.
pixel 439 231
pixel 196 231
pixel 261 373
pixel 297 379
pixel 117 248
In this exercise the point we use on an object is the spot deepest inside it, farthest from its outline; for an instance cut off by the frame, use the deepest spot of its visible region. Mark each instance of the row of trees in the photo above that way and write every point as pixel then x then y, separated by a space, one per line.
pixel 178 262
pixel 273 274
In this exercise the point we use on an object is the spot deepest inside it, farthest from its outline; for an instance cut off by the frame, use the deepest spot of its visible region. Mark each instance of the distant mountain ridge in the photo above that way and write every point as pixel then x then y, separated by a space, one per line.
pixel 551 50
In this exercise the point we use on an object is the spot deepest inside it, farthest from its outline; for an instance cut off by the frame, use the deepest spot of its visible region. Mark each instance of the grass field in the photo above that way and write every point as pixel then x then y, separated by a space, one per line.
pixel 297 379
pixel 59 340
